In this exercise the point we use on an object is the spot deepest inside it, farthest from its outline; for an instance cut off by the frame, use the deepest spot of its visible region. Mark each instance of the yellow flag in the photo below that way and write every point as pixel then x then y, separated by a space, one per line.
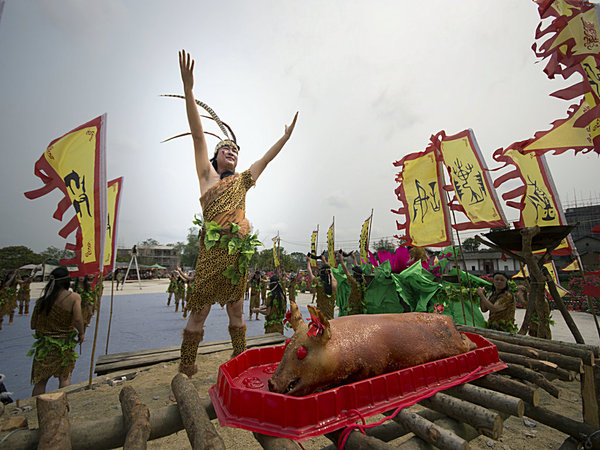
pixel 423 204
pixel 76 164
pixel 541 202
pixel 313 246
pixel 364 239
pixel 276 260
pixel 471 181
pixel 574 266
pixel 331 260
pixel 581 34
pixel 113 200
pixel 524 273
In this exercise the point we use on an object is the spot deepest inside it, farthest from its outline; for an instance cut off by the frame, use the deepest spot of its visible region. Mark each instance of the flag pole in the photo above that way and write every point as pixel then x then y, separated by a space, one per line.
pixel 100 280
pixel 112 294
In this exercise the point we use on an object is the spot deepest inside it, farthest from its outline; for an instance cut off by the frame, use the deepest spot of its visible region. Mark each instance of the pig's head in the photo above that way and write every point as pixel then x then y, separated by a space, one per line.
pixel 305 365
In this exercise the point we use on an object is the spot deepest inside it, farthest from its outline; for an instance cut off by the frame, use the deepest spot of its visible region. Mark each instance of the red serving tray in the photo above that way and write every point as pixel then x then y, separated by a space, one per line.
pixel 241 397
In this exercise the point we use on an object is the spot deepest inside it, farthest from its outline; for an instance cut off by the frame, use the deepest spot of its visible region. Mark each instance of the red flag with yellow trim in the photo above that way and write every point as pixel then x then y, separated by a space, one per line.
pixel 113 201
pixel 473 187
pixel 423 206
pixel 539 201
pixel 76 164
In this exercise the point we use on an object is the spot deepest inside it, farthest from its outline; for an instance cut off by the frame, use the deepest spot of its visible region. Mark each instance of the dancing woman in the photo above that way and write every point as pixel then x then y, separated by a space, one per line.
pixel 325 286
pixel 358 289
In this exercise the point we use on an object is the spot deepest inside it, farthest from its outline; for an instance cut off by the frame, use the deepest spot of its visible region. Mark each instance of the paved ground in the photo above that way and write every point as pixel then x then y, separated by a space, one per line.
pixel 141 320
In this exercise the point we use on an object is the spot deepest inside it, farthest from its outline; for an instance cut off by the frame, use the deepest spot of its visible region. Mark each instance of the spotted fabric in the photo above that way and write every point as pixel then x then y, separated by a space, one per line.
pixel 506 315
pixel 223 203
pixel 325 303
pixel 238 339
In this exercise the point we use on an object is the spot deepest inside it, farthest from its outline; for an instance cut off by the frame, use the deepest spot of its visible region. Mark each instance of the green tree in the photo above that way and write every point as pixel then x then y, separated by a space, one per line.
pixel 56 253
pixel 188 251
pixel 385 244
pixel 470 245
pixel 150 242
pixel 16 256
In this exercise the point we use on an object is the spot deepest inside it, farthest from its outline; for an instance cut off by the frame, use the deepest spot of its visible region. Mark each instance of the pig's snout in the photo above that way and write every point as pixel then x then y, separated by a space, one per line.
pixel 271 385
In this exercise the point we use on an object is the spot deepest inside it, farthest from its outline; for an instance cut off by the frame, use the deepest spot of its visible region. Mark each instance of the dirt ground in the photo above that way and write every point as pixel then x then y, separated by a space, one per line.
pixel 153 388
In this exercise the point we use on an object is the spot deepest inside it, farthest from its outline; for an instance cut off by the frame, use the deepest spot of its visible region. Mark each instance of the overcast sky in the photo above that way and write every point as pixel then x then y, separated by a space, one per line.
pixel 372 81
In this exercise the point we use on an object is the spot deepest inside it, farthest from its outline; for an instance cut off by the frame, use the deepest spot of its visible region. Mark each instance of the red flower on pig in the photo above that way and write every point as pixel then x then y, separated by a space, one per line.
pixel 315 327
pixel 287 321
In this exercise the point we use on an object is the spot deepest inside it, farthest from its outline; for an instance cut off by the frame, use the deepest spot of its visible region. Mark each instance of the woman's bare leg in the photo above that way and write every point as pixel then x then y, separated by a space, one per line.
pixel 39 388
pixel 64 381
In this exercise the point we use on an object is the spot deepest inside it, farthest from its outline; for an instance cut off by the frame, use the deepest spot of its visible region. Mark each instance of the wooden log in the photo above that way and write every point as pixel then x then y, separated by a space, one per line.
pixel 511 387
pixel 559 422
pixel 587 353
pixel 589 398
pixel 358 441
pixel 53 418
pixel 562 308
pixel 137 419
pixel 430 432
pixel 484 421
pixel 201 432
pixel 488 398
pixel 568 363
pixel 540 365
pixel 516 371
pixel 275 443
pixel 110 432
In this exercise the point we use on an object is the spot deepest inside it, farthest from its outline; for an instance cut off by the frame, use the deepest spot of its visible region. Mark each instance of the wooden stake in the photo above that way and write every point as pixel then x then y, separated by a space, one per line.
pixel 510 387
pixel 137 419
pixel 486 422
pixel 53 418
pixel 112 294
pixel 201 432
pixel 99 300
pixel 430 432
pixel 488 398
pixel 516 371
pixel 559 422
pixel 275 443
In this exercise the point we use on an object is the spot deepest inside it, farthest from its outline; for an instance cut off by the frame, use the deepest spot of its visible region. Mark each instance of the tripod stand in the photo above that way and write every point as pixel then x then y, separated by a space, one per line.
pixel 133 259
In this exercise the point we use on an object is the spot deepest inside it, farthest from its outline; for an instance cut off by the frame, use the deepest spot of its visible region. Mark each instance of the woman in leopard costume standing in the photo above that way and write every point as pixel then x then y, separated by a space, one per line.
pixel 220 272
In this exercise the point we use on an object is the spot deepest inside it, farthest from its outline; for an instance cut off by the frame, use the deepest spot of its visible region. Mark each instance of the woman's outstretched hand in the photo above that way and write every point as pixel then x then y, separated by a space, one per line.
pixel 186 66
pixel 290 128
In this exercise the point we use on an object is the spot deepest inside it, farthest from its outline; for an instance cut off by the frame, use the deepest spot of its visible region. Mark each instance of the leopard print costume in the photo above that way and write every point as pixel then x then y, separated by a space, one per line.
pixel 189 349
pixel 326 303
pixel 223 203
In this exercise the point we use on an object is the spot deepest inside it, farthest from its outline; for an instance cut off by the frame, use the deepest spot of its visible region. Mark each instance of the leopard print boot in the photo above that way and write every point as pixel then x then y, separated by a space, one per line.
pixel 238 339
pixel 189 349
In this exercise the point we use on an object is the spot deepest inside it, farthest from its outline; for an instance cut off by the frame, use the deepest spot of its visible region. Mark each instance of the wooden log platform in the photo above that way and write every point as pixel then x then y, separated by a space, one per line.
pixel 129 360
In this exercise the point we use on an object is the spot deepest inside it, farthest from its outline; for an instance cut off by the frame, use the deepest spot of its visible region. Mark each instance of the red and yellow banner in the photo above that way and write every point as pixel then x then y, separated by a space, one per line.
pixel 113 201
pixel 331 245
pixel 313 247
pixel 539 202
pixel 363 243
pixel 423 203
pixel 76 164
pixel 573 267
pixel 524 273
pixel 473 188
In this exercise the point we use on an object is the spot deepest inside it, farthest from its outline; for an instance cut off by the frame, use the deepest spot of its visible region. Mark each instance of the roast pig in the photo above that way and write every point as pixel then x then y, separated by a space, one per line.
pixel 326 353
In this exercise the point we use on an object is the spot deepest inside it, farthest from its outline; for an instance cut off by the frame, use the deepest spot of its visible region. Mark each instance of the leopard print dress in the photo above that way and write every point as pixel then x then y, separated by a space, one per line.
pixel 224 203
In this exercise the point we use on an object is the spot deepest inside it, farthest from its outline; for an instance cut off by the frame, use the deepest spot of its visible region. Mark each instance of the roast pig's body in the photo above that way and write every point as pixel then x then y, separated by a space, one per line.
pixel 364 346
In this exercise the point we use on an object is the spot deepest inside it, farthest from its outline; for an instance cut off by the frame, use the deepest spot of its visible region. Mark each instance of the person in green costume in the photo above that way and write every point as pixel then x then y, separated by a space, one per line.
pixel 500 303
pixel 358 289
pixel 325 286
pixel 275 307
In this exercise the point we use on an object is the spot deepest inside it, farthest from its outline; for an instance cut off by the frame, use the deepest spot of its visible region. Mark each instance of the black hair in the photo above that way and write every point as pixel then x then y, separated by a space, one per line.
pixel 506 288
pixel 86 284
pixel 277 292
pixel 59 279
pixel 325 276
pixel 357 273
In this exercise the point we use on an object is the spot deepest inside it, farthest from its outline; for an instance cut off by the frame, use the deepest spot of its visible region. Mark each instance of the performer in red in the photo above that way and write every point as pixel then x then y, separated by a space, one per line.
pixel 220 276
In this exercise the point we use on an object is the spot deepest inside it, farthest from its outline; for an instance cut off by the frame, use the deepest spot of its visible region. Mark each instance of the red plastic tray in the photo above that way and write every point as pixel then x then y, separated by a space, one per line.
pixel 242 400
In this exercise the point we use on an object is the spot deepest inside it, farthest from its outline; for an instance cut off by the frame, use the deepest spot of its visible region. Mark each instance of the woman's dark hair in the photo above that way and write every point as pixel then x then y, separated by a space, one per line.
pixel 357 273
pixel 86 284
pixel 59 279
pixel 495 293
pixel 325 276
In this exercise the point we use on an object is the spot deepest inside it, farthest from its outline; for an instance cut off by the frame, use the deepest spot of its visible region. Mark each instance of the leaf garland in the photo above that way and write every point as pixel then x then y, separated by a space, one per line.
pixel 63 346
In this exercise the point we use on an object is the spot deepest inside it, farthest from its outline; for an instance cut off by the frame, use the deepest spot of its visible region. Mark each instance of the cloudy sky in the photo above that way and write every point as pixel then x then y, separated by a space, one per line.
pixel 372 81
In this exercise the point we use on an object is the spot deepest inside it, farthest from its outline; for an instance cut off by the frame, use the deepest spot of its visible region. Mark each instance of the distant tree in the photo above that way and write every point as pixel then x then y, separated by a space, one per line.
pixel 470 245
pixel 188 251
pixel 56 253
pixel 384 244
pixel 16 256
pixel 299 259
pixel 150 242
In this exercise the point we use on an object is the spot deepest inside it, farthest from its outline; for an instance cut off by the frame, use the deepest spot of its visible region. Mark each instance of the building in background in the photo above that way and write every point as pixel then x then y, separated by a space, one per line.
pixel 163 255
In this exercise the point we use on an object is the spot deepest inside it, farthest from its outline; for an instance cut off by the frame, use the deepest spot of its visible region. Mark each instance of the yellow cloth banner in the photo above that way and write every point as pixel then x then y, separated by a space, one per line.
pixel 581 27
pixel 331 246
pixel 112 206
pixel 472 183
pixel 364 239
pixel 427 217
pixel 542 205
pixel 313 247
pixel 574 266
pixel 276 260
pixel 524 273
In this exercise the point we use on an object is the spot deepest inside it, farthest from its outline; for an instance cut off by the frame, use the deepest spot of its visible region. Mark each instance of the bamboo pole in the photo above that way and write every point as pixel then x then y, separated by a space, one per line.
pixel 112 294
pixel 99 300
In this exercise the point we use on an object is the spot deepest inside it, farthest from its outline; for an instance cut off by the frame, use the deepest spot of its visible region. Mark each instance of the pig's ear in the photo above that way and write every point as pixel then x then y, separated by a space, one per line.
pixel 316 312
pixel 296 317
